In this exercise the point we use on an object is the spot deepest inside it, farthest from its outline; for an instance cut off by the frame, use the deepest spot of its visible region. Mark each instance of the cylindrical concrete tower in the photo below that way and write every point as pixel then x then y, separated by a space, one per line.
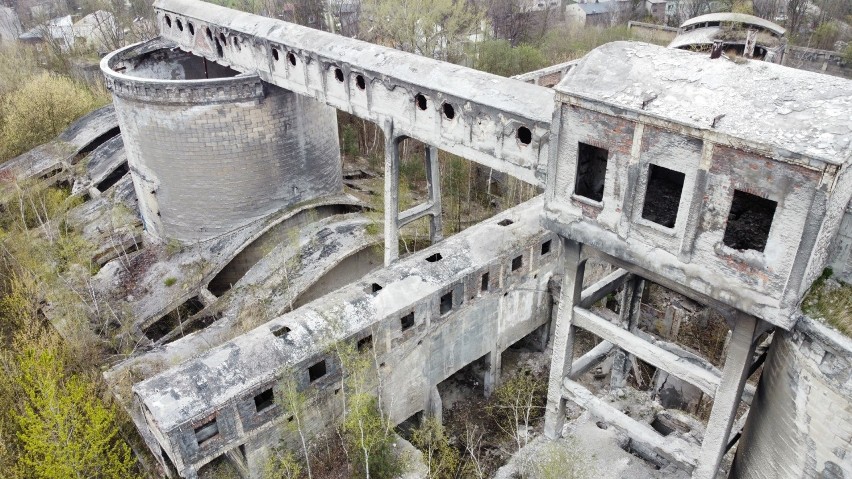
pixel 210 149
pixel 800 422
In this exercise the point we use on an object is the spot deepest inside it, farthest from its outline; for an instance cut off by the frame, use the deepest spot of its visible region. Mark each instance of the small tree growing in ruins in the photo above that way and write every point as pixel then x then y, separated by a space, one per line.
pixel 517 403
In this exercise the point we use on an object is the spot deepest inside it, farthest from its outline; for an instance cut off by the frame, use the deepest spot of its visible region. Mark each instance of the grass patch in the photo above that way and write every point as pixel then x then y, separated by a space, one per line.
pixel 831 301
pixel 170 281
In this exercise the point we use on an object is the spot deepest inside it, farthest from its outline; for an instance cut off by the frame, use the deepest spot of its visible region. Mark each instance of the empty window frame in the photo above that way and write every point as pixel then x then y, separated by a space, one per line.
pixel 264 400
pixel 662 196
pixel 407 321
pixel 749 222
pixel 591 171
pixel 484 282
pixel 365 343
pixel 206 431
pixel 517 262
pixel 545 247
pixel 446 302
pixel 317 371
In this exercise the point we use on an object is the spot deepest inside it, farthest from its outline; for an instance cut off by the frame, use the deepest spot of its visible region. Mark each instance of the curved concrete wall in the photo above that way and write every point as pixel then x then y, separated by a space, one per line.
pixel 800 424
pixel 211 150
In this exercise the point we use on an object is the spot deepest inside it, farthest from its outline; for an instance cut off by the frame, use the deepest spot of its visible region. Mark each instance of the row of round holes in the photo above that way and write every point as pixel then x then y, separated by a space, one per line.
pixel 524 134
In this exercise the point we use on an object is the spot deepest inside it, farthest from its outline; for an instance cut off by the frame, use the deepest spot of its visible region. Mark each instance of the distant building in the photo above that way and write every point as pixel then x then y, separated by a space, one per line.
pixel 57 31
pixel 99 30
pixel 744 35
pixel 656 9
pixel 599 14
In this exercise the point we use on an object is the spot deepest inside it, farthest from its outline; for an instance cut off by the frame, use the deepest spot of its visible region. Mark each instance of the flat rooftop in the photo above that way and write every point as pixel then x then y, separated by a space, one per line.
pixel 784 109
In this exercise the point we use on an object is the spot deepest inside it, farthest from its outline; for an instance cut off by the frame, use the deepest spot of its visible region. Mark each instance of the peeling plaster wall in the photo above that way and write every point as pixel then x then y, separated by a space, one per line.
pixel 800 424
pixel 209 156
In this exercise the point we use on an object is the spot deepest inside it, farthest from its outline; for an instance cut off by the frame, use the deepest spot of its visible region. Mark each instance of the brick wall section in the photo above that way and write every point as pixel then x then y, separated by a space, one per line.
pixel 800 423
pixel 204 168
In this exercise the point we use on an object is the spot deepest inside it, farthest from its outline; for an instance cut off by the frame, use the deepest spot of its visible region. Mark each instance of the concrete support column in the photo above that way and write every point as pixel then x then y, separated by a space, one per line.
pixel 563 337
pixel 436 406
pixel 727 399
pixel 492 376
pixel 433 185
pixel 391 194
pixel 629 304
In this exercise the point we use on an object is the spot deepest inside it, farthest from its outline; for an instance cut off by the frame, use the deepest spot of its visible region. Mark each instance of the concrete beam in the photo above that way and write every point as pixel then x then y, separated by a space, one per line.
pixel 587 361
pixel 672 449
pixel 648 352
pixel 602 288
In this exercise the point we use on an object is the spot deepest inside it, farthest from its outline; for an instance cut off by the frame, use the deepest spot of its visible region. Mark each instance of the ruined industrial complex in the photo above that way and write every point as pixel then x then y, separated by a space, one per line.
pixel 229 231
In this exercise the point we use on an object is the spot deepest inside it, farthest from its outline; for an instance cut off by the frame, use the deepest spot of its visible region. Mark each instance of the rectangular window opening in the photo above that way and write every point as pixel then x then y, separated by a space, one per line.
pixel 662 197
pixel 264 400
pixel 517 262
pixel 591 171
pixel 484 285
pixel 316 371
pixel 365 343
pixel 206 431
pixel 280 331
pixel 407 321
pixel 434 258
pixel 545 247
pixel 447 302
pixel 749 222
pixel 505 222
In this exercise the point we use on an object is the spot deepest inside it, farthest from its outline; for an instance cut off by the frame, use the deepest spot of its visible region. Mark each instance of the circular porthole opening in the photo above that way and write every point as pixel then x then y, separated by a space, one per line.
pixel 275 54
pixel 449 111
pixel 179 24
pixel 524 135
pixel 338 74
pixel 360 82
pixel 209 34
pixel 191 28
pixel 168 21
pixel 291 57
pixel 420 100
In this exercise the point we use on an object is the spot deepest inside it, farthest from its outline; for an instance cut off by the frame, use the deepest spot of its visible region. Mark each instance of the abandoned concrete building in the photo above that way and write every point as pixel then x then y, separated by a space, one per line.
pixel 214 186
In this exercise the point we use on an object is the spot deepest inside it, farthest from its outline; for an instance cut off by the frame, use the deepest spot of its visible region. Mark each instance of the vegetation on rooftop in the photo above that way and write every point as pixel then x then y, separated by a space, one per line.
pixel 831 301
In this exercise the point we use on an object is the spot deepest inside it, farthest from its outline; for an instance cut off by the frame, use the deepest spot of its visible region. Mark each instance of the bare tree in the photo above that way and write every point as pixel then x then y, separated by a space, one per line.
pixel 796 10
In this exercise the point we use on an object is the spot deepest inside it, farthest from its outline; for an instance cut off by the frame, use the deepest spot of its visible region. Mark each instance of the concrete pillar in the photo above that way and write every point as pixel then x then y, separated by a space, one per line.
pixel 391 194
pixel 727 399
pixel 492 376
pixel 433 185
pixel 563 337
pixel 629 304
pixel 436 406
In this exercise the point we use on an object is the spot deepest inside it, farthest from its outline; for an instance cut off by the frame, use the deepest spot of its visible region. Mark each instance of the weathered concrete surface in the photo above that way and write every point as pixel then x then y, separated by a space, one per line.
pixel 378 83
pixel 138 282
pixel 222 382
pixel 801 424
pixel 255 148
pixel 710 121
pixel 52 157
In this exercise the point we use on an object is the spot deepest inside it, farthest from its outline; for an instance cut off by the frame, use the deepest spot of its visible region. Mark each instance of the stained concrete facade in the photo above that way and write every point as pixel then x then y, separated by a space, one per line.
pixel 706 121
pixel 195 131
pixel 651 159
pixel 487 291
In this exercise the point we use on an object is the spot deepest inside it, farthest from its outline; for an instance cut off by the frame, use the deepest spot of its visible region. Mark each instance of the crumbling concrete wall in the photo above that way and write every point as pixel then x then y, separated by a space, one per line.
pixel 841 249
pixel 210 155
pixel 639 118
pixel 458 317
pixel 800 424
pixel 822 61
